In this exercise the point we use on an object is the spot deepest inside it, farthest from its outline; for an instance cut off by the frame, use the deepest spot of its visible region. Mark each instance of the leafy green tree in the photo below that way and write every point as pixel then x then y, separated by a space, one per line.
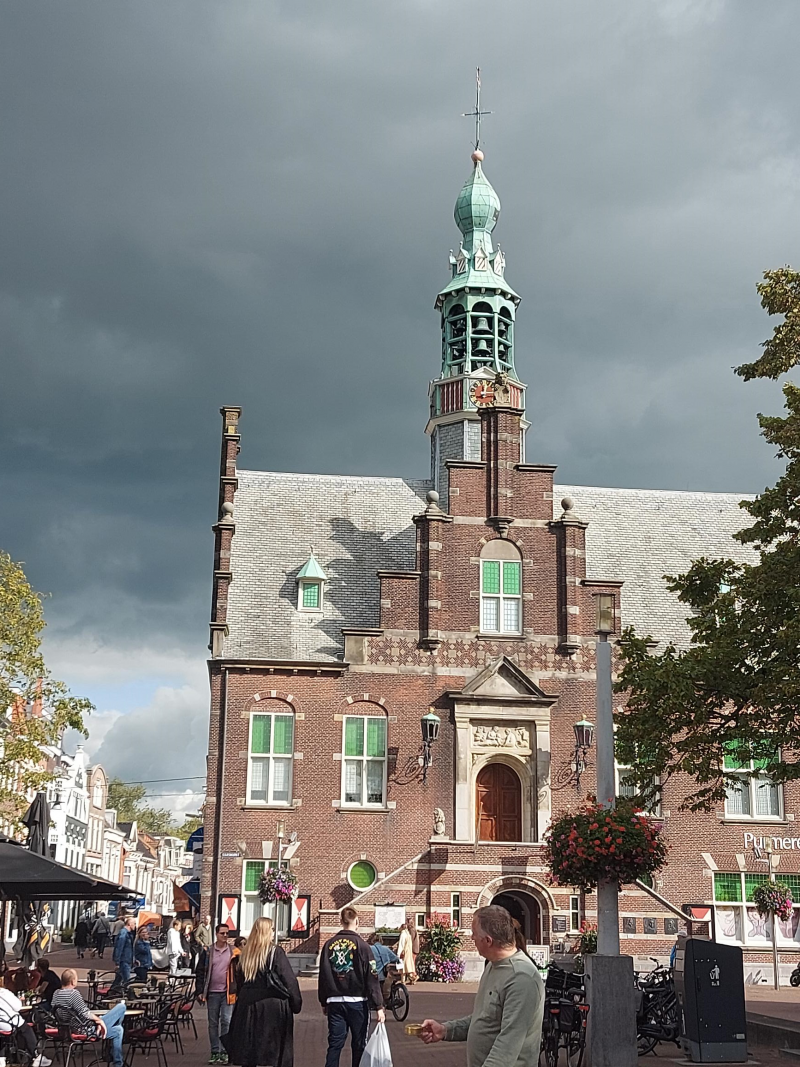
pixel 130 804
pixel 35 708
pixel 735 691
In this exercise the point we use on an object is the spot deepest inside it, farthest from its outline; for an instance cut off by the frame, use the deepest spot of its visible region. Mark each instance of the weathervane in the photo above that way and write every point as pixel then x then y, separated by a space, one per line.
pixel 476 113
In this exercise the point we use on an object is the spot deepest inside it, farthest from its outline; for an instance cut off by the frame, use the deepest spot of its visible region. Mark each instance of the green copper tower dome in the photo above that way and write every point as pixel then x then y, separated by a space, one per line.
pixel 478 309
pixel 478 206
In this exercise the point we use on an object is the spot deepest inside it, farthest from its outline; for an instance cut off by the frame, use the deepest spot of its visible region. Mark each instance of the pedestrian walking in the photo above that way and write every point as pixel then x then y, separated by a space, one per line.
pixel 123 953
pixel 70 1010
pixel 81 937
pixel 174 946
pixel 505 1028
pixel 101 932
pixel 117 926
pixel 215 986
pixel 203 934
pixel 262 1025
pixel 189 945
pixel 407 949
pixel 348 989
pixel 142 954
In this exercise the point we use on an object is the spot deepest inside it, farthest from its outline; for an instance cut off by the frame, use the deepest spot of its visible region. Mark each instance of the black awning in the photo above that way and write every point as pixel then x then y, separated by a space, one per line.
pixel 25 874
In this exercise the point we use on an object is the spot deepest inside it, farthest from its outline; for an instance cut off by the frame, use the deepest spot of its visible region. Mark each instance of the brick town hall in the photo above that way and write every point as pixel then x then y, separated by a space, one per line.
pixel 464 601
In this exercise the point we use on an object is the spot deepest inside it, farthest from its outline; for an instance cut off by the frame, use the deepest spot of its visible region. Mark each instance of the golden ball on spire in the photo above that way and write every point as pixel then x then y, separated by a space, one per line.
pixel 477 156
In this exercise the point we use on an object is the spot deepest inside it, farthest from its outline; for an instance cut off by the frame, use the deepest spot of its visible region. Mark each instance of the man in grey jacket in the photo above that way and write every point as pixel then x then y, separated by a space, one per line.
pixel 505 1028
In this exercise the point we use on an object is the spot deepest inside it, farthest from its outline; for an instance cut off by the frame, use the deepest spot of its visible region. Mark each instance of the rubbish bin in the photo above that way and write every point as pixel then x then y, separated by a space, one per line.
pixel 709 982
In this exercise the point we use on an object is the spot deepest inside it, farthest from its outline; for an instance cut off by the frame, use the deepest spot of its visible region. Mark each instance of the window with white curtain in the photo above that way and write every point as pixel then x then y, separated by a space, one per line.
pixel 749 793
pixel 271 748
pixel 364 761
pixel 501 588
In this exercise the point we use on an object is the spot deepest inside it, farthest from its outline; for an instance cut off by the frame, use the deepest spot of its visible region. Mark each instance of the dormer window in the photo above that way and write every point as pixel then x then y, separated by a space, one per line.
pixel 311 585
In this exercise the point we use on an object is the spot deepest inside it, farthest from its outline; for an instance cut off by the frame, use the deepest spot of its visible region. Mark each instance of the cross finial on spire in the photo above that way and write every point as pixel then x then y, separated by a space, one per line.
pixel 476 113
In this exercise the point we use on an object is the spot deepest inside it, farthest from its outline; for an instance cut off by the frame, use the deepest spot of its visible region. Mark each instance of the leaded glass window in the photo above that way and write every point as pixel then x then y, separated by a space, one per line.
pixel 501 596
pixel 749 792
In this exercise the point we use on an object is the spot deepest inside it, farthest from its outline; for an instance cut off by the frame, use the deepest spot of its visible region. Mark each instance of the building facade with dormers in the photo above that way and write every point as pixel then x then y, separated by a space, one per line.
pixel 347 609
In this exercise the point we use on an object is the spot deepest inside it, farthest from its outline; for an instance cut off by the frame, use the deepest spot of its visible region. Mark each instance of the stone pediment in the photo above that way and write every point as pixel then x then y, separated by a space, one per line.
pixel 503 682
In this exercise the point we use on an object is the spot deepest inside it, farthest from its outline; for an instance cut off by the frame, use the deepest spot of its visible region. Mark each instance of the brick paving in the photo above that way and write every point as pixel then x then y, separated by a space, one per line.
pixel 429 1000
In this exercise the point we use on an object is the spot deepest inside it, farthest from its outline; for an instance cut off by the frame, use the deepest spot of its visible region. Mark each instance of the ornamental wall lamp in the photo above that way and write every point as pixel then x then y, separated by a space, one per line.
pixel 430 724
pixel 584 739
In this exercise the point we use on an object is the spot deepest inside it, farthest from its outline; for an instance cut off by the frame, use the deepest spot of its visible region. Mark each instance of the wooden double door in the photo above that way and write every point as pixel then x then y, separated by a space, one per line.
pixel 498 804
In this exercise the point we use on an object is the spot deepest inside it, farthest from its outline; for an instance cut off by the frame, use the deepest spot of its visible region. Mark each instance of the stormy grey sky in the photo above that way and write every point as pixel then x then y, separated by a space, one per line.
pixel 251 202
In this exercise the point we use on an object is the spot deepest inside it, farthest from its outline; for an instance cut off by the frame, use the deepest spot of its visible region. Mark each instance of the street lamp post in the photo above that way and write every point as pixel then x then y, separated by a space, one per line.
pixel 776 977
pixel 612 1015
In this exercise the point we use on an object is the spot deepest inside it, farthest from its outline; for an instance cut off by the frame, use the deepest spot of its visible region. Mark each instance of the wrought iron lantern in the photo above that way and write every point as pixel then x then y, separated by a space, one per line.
pixel 430 724
pixel 584 739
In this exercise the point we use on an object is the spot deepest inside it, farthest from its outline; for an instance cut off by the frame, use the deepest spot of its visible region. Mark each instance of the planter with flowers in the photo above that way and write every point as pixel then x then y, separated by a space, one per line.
pixel 439 958
pixel 277 885
pixel 597 844
pixel 773 898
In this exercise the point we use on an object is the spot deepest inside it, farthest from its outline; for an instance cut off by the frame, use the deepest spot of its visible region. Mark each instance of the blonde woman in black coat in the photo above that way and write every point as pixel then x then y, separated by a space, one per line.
pixel 261 1033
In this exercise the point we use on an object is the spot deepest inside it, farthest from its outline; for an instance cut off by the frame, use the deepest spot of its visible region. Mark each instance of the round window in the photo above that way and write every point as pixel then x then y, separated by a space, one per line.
pixel 362 875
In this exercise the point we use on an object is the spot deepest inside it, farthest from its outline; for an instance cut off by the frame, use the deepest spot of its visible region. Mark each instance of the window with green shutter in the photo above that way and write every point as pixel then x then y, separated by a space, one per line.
pixel 749 793
pixel 364 761
pixel 253 869
pixel 501 594
pixel 269 772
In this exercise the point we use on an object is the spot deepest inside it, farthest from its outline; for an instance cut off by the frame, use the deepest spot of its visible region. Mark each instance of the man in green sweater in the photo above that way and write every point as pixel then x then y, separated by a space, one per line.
pixel 505 1028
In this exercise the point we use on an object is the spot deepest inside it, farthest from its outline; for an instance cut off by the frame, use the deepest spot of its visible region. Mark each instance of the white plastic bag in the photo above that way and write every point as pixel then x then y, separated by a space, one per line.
pixel 377 1053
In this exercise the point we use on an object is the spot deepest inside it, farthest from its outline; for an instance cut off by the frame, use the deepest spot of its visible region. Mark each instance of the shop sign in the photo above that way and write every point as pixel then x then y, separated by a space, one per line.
pixel 779 844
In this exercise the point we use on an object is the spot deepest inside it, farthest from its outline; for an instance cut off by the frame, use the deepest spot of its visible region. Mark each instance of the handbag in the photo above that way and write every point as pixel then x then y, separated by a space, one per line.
pixel 276 987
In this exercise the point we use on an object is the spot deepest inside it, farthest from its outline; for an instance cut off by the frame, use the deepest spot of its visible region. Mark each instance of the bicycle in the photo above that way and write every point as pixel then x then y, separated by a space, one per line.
pixel 658 1016
pixel 397 1001
pixel 564 1019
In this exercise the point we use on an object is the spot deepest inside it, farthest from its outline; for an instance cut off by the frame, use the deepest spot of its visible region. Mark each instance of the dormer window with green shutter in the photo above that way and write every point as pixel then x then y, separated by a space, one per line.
pixel 311 585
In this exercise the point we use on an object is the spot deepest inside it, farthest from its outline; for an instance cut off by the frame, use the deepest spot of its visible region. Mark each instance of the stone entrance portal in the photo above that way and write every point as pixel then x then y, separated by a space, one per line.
pixel 525 908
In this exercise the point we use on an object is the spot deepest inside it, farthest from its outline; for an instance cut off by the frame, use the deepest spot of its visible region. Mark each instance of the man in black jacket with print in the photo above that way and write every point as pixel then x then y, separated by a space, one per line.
pixel 348 989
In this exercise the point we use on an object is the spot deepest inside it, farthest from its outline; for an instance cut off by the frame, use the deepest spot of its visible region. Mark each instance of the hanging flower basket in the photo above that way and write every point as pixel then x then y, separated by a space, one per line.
pixel 277 885
pixel 773 898
pixel 597 844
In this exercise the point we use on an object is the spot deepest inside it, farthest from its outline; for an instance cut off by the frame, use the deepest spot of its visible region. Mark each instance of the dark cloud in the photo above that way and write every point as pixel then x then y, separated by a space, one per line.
pixel 250 202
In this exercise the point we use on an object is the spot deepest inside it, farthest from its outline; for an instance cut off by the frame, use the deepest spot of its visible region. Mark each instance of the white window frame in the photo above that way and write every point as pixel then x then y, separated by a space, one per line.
pixel 250 902
pixel 364 760
pixel 270 756
pixel 744 921
pixel 619 770
pixel 420 920
pixel 456 909
pixel 575 913
pixel 301 585
pixel 750 784
pixel 501 598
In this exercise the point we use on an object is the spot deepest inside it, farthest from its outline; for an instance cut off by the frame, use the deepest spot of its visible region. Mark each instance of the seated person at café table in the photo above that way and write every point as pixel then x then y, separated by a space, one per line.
pixel 48 981
pixel 12 1022
pixel 70 1010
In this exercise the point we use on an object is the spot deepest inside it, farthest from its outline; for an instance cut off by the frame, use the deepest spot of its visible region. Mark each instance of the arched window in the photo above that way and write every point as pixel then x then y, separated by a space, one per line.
pixel 501 588
pixel 364 758
pixel 498 803
pixel 270 755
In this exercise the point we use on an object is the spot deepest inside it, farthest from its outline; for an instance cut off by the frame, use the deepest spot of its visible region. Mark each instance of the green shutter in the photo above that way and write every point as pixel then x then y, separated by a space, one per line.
pixel 310 594
pixel 732 761
pixel 259 736
pixel 376 737
pixel 728 888
pixel 511 583
pixel 253 869
pixel 354 736
pixel 283 739
pixel 362 875
pixel 491 576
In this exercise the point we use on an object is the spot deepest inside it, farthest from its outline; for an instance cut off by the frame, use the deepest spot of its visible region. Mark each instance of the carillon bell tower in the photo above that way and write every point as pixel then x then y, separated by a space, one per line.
pixel 478 310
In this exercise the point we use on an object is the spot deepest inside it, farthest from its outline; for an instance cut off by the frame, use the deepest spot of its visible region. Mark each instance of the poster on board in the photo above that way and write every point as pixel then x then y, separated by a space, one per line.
pixel 389 916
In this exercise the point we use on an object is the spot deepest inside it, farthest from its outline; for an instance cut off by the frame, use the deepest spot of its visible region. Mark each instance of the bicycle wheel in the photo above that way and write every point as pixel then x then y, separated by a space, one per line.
pixel 399 1002
pixel 549 1054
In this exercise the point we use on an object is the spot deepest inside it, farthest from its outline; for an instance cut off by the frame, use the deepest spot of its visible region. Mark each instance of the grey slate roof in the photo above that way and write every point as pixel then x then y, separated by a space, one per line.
pixel 358 526
pixel 639 535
